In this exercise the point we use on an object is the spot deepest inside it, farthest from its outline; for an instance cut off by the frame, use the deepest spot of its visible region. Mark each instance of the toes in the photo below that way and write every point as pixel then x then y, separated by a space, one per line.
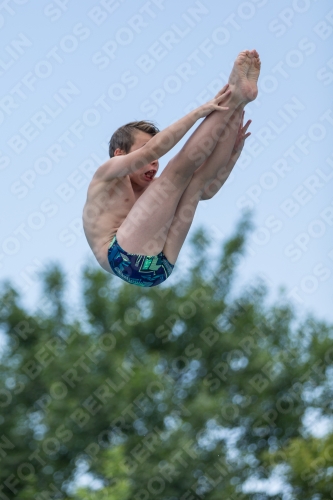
pixel 245 53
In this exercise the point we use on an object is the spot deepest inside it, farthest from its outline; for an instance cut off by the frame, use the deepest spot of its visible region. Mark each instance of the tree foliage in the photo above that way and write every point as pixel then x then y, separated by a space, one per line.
pixel 182 391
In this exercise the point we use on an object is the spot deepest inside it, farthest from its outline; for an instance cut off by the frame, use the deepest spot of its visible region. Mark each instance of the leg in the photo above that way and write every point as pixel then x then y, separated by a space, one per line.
pixel 182 220
pixel 145 229
pixel 213 166
pixel 222 169
pixel 216 163
pixel 243 86
pixel 244 77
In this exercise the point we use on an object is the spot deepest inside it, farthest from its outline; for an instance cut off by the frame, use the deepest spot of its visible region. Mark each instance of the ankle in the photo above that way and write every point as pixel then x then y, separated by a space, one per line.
pixel 236 99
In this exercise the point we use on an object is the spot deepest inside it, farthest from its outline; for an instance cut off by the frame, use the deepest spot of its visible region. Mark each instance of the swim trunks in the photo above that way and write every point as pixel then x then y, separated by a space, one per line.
pixel 140 270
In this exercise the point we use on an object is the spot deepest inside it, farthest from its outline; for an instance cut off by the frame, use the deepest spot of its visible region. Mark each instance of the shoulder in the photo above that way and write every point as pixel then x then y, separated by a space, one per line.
pixel 100 185
pixel 103 174
pixel 103 170
pixel 110 170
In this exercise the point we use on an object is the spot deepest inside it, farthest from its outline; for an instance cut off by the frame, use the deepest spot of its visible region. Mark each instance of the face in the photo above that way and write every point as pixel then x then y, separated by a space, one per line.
pixel 144 175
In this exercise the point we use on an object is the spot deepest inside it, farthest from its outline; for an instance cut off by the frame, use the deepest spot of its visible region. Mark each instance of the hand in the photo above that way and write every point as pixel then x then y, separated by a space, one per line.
pixel 241 136
pixel 215 103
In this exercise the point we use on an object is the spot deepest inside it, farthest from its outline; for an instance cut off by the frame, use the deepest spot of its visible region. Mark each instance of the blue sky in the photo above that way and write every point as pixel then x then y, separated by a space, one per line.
pixel 72 73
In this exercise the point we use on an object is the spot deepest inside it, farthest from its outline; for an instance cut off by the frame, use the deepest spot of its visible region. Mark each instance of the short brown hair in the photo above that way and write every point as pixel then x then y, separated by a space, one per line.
pixel 124 136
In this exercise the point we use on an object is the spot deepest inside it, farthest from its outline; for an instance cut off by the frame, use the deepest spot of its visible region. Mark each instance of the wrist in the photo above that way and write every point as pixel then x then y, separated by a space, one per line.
pixel 196 114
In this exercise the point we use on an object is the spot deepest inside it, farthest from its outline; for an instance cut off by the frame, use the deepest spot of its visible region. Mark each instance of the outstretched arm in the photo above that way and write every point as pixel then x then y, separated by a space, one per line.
pixel 161 143
pixel 225 169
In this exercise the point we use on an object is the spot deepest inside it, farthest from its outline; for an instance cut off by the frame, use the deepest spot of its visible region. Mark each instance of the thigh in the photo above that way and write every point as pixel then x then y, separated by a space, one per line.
pixel 145 229
pixel 183 219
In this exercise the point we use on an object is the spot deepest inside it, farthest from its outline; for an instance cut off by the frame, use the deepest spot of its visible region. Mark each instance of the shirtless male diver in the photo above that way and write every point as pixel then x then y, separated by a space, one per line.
pixel 136 223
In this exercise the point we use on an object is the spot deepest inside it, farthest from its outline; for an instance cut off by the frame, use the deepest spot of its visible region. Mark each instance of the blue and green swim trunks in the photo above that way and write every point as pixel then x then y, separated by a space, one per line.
pixel 140 270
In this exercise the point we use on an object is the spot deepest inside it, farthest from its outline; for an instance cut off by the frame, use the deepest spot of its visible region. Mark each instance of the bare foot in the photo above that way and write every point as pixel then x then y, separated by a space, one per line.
pixel 244 76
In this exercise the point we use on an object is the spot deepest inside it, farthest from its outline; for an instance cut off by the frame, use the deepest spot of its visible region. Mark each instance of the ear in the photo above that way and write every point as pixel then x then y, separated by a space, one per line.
pixel 118 152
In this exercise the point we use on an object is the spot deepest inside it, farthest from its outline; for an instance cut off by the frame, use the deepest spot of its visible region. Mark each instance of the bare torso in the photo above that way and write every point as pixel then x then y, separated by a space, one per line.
pixel 107 206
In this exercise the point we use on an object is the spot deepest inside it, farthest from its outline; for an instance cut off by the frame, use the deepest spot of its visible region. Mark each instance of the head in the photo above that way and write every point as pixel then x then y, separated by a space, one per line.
pixel 130 137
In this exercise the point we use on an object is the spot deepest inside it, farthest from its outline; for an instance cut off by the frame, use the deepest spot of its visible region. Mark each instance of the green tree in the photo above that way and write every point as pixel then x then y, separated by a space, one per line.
pixel 182 391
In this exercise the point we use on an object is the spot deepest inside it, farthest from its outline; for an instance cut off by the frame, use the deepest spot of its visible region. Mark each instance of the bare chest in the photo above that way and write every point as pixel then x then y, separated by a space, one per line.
pixel 107 204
